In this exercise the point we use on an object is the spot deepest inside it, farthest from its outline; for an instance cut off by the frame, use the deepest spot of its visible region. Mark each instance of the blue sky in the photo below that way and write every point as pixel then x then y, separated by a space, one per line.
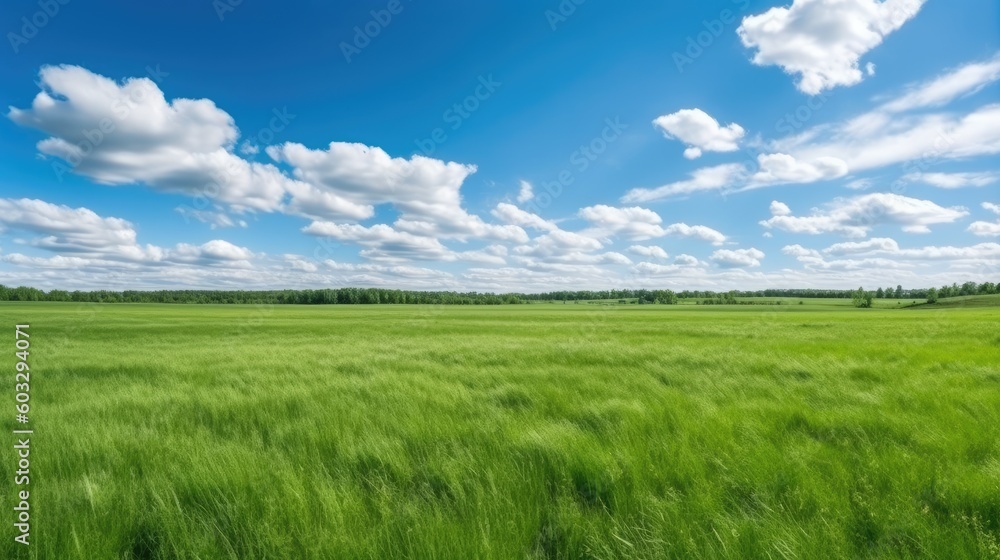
pixel 524 146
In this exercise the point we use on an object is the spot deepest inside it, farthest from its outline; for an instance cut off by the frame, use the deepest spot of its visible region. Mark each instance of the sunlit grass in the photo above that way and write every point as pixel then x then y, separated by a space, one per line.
pixel 538 431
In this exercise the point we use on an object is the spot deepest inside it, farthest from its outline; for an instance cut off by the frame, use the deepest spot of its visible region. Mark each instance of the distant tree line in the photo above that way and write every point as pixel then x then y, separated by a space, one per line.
pixel 342 296
pixel 352 296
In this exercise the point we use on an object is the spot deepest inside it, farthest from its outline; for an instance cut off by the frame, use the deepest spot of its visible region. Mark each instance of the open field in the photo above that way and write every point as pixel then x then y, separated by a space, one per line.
pixel 532 431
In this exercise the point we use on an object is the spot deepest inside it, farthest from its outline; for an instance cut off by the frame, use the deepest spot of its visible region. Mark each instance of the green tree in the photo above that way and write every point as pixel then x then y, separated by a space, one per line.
pixel 968 289
pixel 932 295
pixel 861 298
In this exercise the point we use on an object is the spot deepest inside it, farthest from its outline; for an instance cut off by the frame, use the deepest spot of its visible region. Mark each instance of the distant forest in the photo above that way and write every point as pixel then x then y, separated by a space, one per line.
pixel 351 296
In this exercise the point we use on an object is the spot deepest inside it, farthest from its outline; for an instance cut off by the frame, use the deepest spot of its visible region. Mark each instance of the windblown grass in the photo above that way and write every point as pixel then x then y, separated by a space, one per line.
pixel 540 431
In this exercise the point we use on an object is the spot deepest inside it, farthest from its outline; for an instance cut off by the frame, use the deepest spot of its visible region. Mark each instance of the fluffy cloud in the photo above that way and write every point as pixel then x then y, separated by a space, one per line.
pixel 510 214
pixel 885 254
pixel 78 231
pixel 186 146
pixel 375 270
pixel 556 247
pixel 112 242
pixel 384 243
pixel 541 278
pixel 317 203
pixel 855 217
pixel 782 168
pixel 700 132
pixel 574 258
pixel 367 175
pixel 648 251
pixel 660 270
pixel 641 223
pixel 987 229
pixel 735 258
pixel 558 242
pixel 891 133
pixel 780 209
pixel 633 223
pixel 686 260
pixel 127 133
pixel 705 179
pixel 800 251
pixel 822 41
pixel 425 190
pixel 214 251
pixel 855 247
pixel 194 271
pixel 703 233
pixel 954 180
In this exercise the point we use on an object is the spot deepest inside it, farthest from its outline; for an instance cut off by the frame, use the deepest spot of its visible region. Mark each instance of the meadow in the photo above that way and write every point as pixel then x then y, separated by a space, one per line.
pixel 525 431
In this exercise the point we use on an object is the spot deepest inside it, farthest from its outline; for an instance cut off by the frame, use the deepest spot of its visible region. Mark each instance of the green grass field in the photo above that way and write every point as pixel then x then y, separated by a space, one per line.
pixel 537 431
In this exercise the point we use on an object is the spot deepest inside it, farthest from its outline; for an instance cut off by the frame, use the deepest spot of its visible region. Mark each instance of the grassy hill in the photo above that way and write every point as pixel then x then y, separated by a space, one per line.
pixel 963 301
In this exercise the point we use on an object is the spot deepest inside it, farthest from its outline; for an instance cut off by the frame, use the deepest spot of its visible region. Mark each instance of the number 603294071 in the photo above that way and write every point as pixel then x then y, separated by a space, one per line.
pixel 23 375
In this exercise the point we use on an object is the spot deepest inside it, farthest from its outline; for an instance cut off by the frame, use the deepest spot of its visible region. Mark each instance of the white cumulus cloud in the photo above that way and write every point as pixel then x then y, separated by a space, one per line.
pixel 856 216
pixel 641 223
pixel 986 229
pixel 782 168
pixel 648 251
pixel 736 258
pixel 700 131
pixel 128 133
pixel 822 41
